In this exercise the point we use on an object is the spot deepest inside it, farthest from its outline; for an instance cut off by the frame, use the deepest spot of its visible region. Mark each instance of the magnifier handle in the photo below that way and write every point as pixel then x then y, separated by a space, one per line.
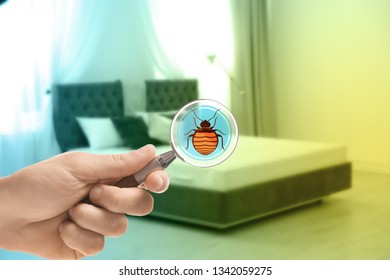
pixel 158 163
pixel 138 178
pixel 127 182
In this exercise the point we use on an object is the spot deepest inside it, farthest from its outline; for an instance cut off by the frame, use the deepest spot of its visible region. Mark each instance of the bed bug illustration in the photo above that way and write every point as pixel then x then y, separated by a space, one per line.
pixel 205 137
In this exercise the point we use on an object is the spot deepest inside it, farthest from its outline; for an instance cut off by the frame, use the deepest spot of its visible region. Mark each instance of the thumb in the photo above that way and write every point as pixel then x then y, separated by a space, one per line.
pixel 91 167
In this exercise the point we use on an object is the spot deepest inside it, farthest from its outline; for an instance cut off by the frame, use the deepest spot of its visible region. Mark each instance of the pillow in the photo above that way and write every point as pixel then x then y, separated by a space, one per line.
pixel 159 124
pixel 100 132
pixel 146 115
pixel 133 131
pixel 168 114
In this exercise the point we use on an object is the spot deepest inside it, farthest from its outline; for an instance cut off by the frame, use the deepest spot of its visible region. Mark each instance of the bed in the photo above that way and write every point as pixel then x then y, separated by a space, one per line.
pixel 263 176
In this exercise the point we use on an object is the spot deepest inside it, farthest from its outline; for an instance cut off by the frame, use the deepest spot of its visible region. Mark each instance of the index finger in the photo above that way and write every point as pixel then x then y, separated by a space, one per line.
pixel 91 167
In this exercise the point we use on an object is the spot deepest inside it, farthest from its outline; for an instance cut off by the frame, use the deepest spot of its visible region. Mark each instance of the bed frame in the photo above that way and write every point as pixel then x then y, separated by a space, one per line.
pixel 208 207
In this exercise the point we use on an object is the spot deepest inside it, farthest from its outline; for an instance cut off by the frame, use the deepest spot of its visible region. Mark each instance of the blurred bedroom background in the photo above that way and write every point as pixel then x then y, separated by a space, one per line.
pixel 306 70
pixel 326 76
pixel 56 42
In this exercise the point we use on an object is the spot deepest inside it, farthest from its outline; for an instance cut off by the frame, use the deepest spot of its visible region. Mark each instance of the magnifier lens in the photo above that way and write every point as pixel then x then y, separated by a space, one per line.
pixel 204 133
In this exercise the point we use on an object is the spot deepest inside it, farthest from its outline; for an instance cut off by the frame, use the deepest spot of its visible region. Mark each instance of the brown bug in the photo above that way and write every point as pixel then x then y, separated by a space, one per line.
pixel 205 138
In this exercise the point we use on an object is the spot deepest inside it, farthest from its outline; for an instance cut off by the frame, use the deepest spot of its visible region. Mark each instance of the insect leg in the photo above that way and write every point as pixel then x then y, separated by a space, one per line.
pixel 190 131
pixel 219 131
pixel 188 138
pixel 221 140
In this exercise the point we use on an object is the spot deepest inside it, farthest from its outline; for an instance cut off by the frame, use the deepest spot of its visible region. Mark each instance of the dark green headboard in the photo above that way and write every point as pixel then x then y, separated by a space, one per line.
pixel 83 100
pixel 106 100
pixel 167 95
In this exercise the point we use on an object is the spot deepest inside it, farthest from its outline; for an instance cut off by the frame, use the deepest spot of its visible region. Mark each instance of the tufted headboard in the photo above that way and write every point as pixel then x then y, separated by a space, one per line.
pixel 106 100
pixel 166 95
pixel 86 100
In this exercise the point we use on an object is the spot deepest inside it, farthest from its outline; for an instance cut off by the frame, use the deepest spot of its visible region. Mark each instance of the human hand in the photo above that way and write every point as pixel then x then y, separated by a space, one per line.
pixel 40 209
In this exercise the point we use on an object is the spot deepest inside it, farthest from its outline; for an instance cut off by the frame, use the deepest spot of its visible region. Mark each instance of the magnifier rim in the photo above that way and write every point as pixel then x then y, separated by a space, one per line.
pixel 174 121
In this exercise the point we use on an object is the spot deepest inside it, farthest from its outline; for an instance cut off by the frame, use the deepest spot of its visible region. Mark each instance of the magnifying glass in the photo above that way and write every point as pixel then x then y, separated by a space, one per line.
pixel 203 133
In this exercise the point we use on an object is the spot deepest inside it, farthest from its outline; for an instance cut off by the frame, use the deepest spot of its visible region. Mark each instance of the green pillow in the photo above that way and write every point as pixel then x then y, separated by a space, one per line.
pixel 134 131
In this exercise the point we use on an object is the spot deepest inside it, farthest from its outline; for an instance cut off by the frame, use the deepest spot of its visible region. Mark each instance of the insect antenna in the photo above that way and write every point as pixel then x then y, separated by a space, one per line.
pixel 196 115
pixel 214 115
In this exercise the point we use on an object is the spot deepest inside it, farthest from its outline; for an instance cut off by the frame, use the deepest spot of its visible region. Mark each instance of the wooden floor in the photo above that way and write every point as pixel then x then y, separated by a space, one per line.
pixel 353 224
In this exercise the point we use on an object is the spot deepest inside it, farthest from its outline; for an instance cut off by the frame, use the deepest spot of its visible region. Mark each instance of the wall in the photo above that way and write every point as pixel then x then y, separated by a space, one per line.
pixel 331 69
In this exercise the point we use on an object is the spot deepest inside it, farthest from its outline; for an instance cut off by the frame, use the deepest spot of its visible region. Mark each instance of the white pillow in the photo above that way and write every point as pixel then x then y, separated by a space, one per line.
pixel 146 115
pixel 159 127
pixel 159 124
pixel 100 132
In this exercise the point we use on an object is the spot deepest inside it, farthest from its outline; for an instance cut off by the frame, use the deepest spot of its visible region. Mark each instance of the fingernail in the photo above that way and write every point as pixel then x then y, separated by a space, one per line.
pixel 145 149
pixel 163 186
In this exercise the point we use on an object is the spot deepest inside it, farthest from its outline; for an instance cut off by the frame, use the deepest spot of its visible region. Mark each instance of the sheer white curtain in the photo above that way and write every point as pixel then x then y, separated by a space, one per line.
pixel 181 34
pixel 254 110
pixel 43 42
